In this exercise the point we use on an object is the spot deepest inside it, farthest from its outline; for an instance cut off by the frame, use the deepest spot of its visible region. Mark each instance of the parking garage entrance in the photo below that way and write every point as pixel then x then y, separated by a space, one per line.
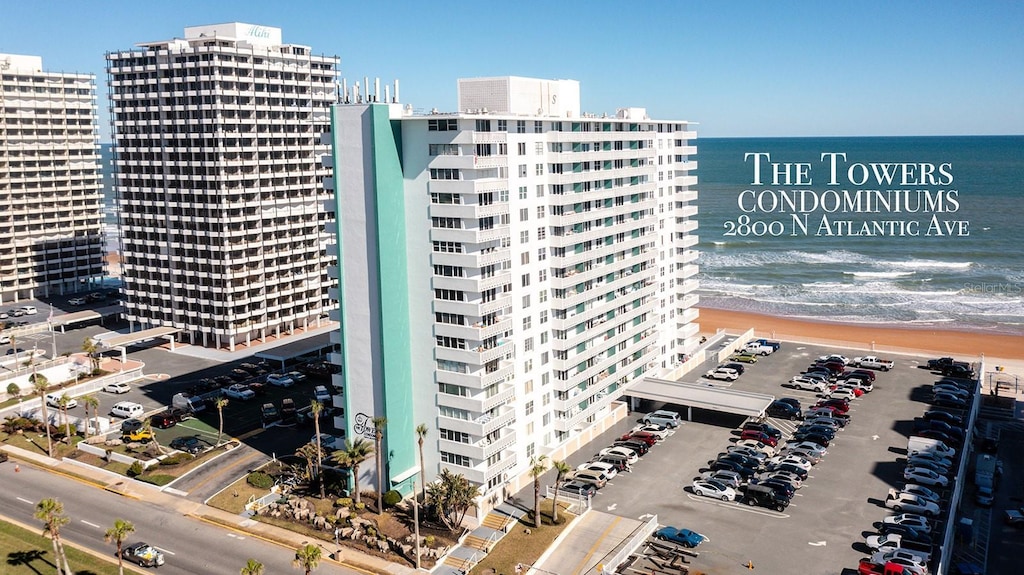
pixel 121 342
pixel 702 396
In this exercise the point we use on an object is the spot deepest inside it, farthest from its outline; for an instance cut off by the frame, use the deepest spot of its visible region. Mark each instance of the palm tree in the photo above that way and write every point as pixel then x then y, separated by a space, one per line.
pixel 307 557
pixel 561 468
pixel 252 567
pixel 379 423
pixel 421 435
pixel 91 403
pixel 148 426
pixel 315 408
pixel 355 452
pixel 221 403
pixel 310 453
pixel 92 349
pixel 62 402
pixel 39 385
pixel 51 512
pixel 537 468
pixel 117 535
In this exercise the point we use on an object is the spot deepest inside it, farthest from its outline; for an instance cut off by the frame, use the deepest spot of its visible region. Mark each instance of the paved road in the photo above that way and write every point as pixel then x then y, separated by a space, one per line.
pixel 191 546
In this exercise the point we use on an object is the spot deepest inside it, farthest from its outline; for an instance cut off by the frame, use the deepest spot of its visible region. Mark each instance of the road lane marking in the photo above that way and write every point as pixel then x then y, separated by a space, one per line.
pixel 163 550
pixel 22 499
pixel 91 524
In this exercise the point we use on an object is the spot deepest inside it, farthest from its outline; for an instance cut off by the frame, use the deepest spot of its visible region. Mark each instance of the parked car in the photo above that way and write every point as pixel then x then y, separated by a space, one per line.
pixel 168 418
pixel 936 434
pixel 117 388
pixel 918 522
pixel 130 425
pixel 920 491
pixel 579 488
pixel 792 478
pixel 940 467
pixel 783 410
pixel 807 454
pixel 758 435
pixel 790 446
pixel 764 428
pixel 827 412
pixel 768 495
pixel 723 374
pixel 76 301
pixel 297 376
pixel 715 489
pixel 816 438
pixel 239 391
pixel 744 357
pixel 747 451
pixel 755 444
pixel 902 501
pixel 942 399
pixel 280 380
pixel 780 486
pixel 842 393
pixel 630 455
pixel 669 419
pixel 1014 517
pixel 188 444
pixel 648 438
pixel 789 467
pixel 840 405
pixel 825 430
pixel 53 400
pixel 729 478
pixel 833 423
pixel 739 367
pixel 925 476
pixel 608 469
pixel 141 435
pixel 751 462
pixel 791 459
pixel 144 554
pixel 806 383
pixel 684 537
pixel 660 431
pixel 321 394
pixel 734 466
pixel 944 416
pixel 910 563
pixel 639 447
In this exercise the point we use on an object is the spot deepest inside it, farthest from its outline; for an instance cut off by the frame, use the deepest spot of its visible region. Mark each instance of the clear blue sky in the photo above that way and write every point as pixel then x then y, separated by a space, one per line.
pixel 738 68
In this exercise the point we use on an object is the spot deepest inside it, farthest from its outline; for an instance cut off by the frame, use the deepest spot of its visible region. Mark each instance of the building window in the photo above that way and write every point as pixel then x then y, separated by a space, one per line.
pixel 502 125
pixel 503 196
pixel 542 233
pixel 521 148
pixel 531 449
pixel 450 389
pixel 451 342
pixel 522 170
pixel 539 169
pixel 443 198
pixel 450 294
pixel 483 125
pixel 524 258
pixel 455 459
pixel 444 149
pixel 456 436
pixel 524 237
pixel 522 192
pixel 442 125
pixel 450 318
pixel 454 412
pixel 527 323
pixel 540 190
pixel 543 337
pixel 541 211
pixel 524 214
pixel 452 366
pixel 543 316
pixel 542 275
pixel 526 301
pixel 538 148
pixel 542 254
pixel 529 408
pixel 445 174
pixel 526 280
pixel 520 126
pixel 449 271
pixel 528 346
pixel 544 358
pixel 543 295
pixel 448 247
pixel 538 127
pixel 447 223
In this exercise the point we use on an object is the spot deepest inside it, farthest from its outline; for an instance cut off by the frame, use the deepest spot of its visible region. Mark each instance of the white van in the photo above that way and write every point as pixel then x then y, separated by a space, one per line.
pixel 664 417
pixel 29 309
pixel 127 409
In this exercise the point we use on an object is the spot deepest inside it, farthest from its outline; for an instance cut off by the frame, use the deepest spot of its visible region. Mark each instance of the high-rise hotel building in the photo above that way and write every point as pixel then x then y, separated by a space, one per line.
pixel 506 272
pixel 51 229
pixel 219 180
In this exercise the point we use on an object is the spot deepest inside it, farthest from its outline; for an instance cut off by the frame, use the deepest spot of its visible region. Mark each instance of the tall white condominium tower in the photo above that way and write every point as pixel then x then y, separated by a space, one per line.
pixel 51 229
pixel 219 180
pixel 508 272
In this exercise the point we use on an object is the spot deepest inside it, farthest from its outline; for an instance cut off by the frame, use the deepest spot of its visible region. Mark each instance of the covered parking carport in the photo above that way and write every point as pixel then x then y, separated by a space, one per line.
pixel 282 354
pixel 122 341
pixel 702 396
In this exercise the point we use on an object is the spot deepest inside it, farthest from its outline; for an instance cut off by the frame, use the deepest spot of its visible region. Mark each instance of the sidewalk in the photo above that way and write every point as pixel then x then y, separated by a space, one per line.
pixel 351 558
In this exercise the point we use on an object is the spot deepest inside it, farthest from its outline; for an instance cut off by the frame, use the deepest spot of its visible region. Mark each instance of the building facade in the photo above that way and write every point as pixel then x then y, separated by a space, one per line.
pixel 219 182
pixel 507 271
pixel 51 231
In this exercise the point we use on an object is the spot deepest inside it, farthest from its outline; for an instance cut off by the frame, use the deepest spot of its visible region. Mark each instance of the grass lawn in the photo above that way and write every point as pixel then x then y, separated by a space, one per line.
pixel 27 553
pixel 520 547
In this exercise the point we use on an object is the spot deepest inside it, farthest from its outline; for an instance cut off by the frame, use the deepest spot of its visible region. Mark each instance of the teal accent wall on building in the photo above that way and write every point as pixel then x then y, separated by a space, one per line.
pixel 393 284
pixel 339 241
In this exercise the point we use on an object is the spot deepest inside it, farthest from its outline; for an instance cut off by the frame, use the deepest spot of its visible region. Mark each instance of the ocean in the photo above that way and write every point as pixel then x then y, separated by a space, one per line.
pixel 946 252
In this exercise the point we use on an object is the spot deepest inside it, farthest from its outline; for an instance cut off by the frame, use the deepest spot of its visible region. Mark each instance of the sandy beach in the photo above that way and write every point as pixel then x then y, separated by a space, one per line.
pixel 963 345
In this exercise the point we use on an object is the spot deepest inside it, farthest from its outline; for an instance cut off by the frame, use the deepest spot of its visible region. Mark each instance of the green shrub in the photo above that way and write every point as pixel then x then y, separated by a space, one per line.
pixel 391 498
pixel 344 502
pixel 360 506
pixel 13 390
pixel 371 532
pixel 260 480
pixel 429 540
pixel 136 469
pixel 176 459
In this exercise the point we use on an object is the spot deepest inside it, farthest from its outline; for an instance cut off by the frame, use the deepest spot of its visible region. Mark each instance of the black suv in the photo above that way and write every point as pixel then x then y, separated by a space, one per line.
pixel 783 410
pixel 766 496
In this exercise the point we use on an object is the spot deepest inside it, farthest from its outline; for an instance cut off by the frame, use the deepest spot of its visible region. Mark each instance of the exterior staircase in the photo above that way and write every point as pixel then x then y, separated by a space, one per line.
pixel 476 544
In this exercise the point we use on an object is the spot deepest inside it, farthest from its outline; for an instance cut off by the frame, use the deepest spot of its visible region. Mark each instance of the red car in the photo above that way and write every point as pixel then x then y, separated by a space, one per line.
pixel 840 405
pixel 862 373
pixel 761 436
pixel 646 437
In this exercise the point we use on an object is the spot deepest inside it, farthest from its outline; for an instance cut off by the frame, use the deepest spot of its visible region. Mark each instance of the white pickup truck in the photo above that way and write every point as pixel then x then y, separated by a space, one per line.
pixel 872 362
pixel 758 348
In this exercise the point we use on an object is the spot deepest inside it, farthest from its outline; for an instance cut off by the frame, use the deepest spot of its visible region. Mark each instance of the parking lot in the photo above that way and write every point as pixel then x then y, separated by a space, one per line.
pixel 823 529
